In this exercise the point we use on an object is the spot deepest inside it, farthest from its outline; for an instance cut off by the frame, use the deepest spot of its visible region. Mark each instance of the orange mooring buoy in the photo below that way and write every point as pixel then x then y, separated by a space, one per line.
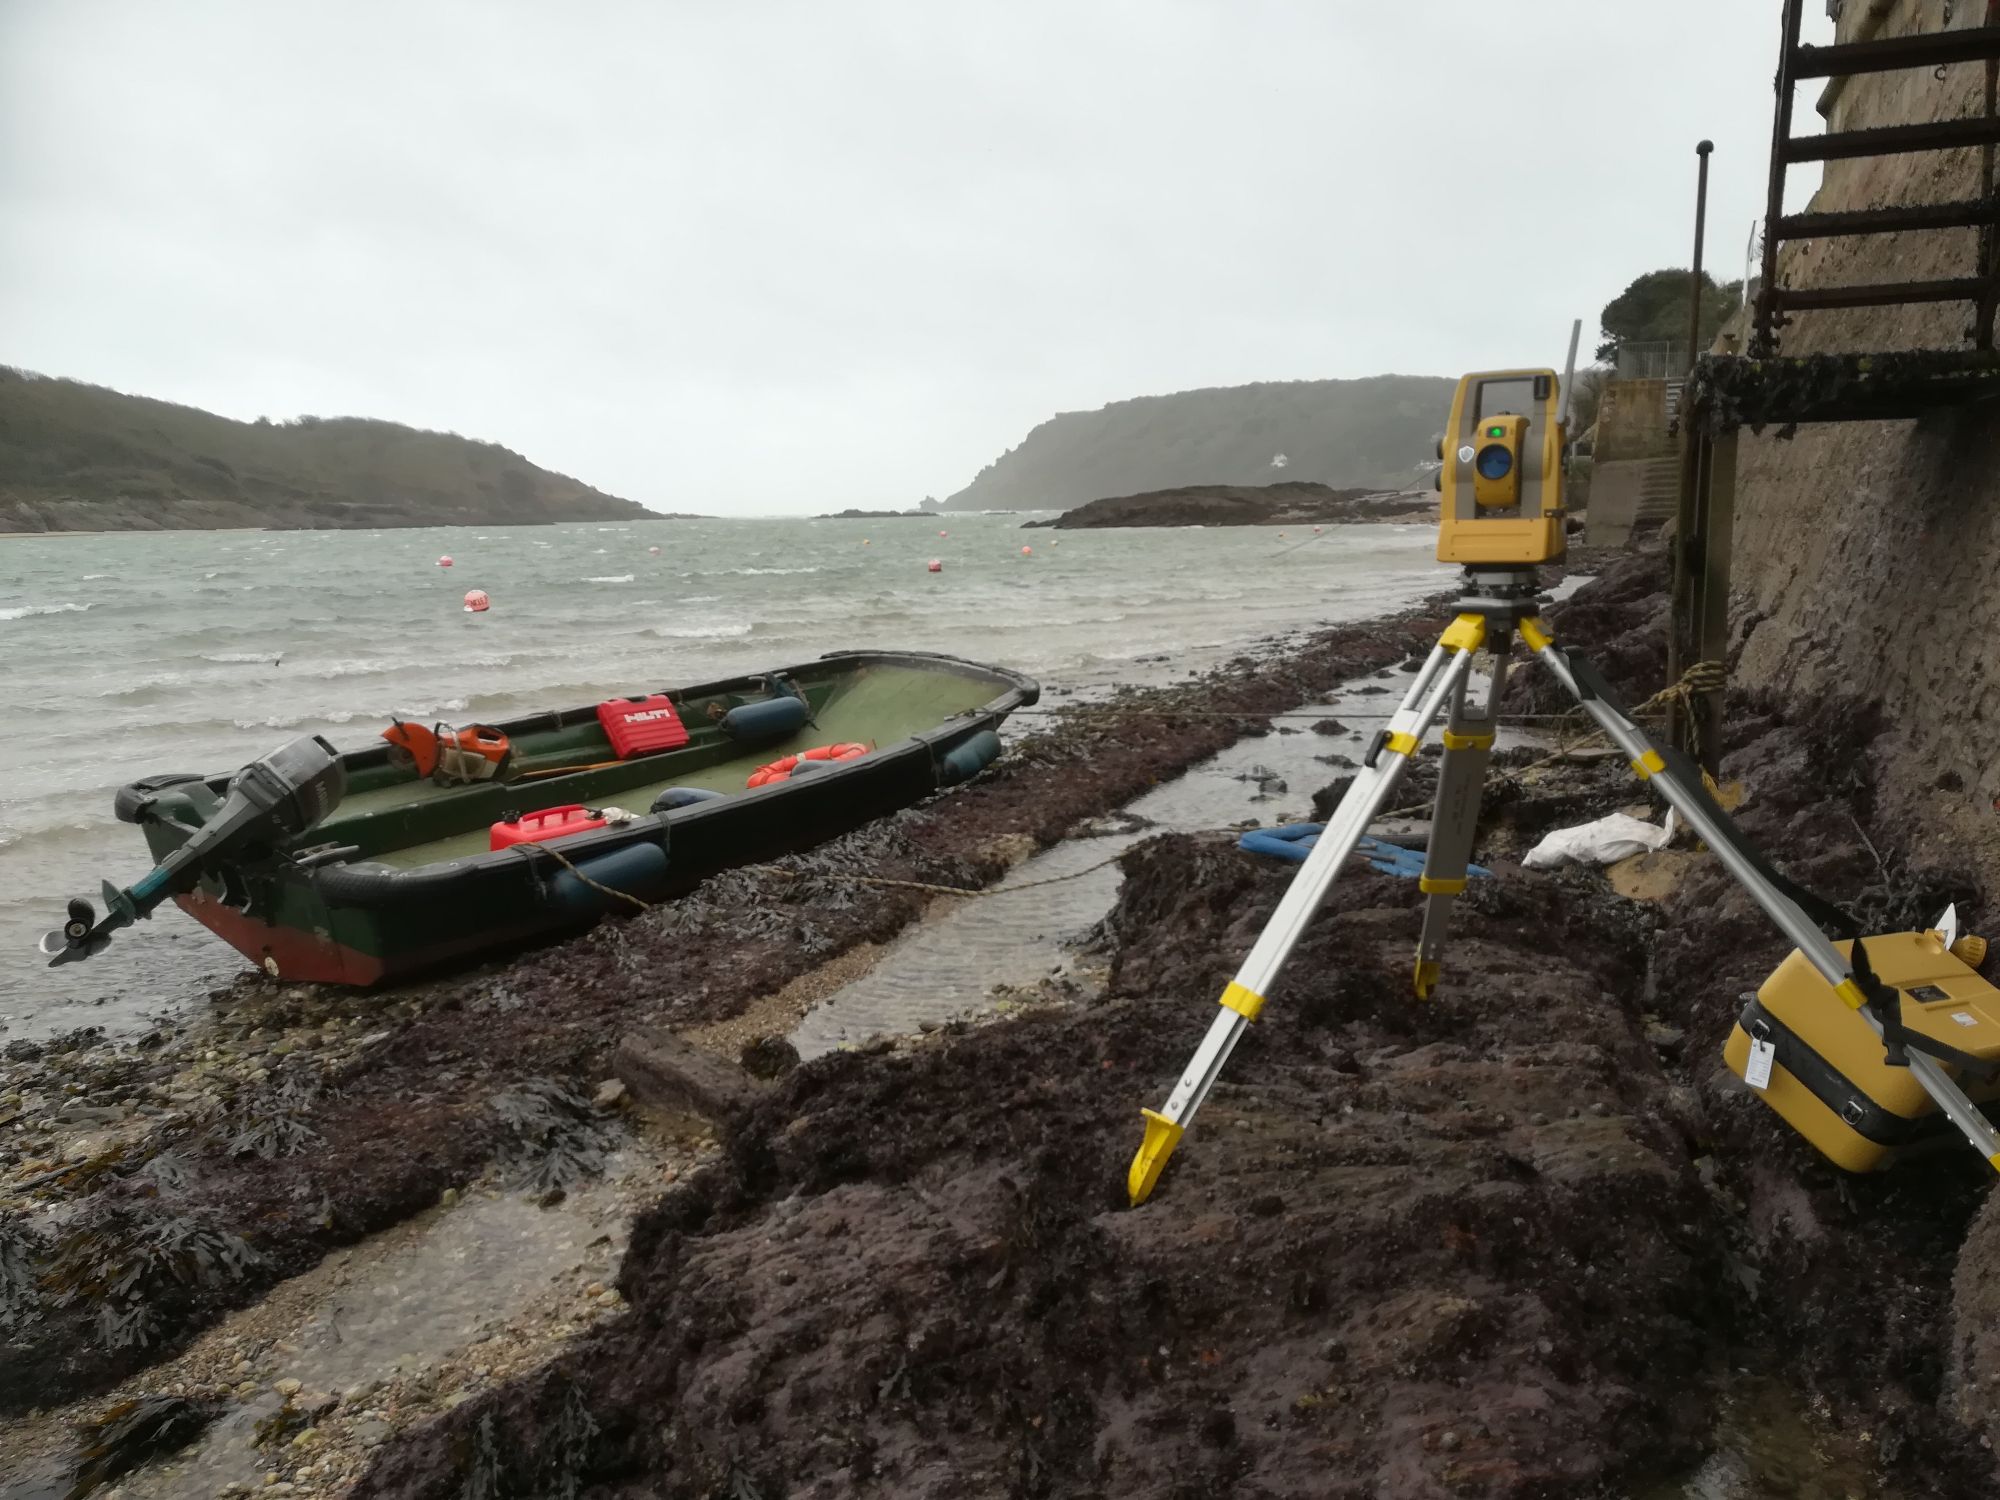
pixel 445 561
pixel 476 602
pixel 1027 551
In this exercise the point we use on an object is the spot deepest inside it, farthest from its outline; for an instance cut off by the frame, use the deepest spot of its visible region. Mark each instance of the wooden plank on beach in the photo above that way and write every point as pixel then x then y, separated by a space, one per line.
pixel 666 1072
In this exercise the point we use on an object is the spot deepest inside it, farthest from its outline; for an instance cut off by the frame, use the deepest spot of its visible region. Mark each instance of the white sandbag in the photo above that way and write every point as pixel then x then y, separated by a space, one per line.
pixel 1603 842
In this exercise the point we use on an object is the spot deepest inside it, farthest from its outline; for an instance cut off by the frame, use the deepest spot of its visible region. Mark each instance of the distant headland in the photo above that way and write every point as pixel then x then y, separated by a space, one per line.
pixel 76 457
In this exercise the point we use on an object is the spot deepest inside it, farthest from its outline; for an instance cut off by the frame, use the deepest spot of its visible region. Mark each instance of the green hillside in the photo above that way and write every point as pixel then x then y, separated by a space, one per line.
pixel 1367 433
pixel 77 457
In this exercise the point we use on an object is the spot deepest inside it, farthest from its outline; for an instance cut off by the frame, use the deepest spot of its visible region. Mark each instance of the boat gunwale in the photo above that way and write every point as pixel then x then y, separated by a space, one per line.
pixel 1019 691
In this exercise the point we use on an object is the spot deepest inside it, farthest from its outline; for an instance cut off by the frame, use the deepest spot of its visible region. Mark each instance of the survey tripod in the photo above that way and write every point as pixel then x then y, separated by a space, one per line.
pixel 1498 603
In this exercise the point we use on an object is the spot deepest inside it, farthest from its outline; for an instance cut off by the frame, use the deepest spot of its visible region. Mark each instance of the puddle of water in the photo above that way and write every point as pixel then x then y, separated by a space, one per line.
pixel 453 1277
pixel 948 965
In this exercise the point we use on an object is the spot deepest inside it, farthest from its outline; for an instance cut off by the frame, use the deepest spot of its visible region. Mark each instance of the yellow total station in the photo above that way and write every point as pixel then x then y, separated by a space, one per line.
pixel 1501 476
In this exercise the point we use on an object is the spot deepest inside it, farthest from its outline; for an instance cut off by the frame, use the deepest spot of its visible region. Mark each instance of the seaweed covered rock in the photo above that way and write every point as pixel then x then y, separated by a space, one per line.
pixel 1973 1377
pixel 1409 1249
pixel 1619 620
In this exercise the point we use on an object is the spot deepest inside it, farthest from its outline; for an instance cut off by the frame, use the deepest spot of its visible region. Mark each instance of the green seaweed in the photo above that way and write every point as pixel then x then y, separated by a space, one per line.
pixel 22 1253
pixel 133 1432
pixel 269 1125
pixel 122 1262
pixel 482 1462
pixel 551 1136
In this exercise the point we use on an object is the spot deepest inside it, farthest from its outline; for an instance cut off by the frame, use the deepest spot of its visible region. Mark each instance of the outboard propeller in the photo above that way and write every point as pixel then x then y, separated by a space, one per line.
pixel 74 939
pixel 285 793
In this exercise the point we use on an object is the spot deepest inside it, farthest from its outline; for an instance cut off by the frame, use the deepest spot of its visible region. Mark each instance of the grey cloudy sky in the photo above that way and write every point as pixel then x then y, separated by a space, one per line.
pixel 773 256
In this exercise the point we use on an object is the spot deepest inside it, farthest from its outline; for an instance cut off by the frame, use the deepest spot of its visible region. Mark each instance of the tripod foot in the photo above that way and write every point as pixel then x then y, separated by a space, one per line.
pixel 1425 979
pixel 1162 1135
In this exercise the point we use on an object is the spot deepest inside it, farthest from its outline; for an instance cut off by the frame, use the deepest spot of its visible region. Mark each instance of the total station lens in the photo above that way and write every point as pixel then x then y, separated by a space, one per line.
pixel 1494 461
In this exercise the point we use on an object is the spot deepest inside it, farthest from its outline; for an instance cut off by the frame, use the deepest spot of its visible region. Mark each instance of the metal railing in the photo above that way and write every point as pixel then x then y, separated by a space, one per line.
pixel 1662 359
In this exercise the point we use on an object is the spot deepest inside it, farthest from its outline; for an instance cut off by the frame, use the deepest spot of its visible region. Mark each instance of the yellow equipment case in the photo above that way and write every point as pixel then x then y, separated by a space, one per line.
pixel 1828 1078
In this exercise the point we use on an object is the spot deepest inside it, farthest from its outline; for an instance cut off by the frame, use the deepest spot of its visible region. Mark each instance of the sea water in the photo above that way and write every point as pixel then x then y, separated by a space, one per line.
pixel 133 654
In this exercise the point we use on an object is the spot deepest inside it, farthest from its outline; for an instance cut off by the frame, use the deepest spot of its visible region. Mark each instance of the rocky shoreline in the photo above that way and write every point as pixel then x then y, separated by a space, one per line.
pixel 1292 503
pixel 299 1119
pixel 1514 1242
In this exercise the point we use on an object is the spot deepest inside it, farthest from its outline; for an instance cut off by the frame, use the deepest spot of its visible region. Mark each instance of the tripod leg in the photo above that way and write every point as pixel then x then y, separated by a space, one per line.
pixel 1468 745
pixel 1438 682
pixel 1679 783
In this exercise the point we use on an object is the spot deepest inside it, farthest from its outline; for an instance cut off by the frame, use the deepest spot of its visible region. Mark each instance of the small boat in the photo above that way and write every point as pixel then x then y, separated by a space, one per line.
pixel 442 846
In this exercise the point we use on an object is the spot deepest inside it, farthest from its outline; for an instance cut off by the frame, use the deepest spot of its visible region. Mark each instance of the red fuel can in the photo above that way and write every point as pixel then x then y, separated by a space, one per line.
pixel 549 823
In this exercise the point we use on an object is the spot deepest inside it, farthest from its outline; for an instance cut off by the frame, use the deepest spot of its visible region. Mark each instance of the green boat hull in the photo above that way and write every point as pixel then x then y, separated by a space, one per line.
pixel 399 879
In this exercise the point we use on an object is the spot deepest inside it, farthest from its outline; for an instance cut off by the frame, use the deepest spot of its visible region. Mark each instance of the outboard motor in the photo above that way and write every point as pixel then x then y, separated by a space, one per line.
pixel 285 793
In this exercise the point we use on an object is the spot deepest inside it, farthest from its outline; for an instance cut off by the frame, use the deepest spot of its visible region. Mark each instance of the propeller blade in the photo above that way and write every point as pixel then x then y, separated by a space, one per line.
pixel 61 948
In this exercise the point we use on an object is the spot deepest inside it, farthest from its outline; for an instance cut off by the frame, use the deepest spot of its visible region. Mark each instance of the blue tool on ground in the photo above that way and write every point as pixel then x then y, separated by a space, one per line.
pixel 1294 841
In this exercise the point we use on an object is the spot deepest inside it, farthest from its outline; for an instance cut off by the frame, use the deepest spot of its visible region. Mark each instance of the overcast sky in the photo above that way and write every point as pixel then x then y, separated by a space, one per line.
pixel 767 256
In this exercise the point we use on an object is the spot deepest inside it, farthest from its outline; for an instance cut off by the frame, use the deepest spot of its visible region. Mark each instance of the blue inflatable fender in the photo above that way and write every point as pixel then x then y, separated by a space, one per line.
pixel 635 870
pixel 964 761
pixel 1294 841
pixel 683 796
pixel 768 722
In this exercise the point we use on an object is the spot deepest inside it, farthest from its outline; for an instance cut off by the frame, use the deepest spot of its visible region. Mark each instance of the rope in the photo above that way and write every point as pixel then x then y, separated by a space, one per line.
pixel 1222 713
pixel 1702 677
pixel 939 890
pixel 882 882
pixel 562 859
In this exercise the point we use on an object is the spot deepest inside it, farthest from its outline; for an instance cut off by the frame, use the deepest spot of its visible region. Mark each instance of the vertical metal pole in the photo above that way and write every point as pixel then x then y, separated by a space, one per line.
pixel 1700 228
pixel 1716 458
pixel 1689 550
pixel 1989 189
pixel 1765 340
pixel 1569 371
pixel 1683 602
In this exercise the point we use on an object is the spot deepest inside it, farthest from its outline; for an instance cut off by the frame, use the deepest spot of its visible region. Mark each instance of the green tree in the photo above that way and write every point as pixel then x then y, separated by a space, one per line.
pixel 1586 390
pixel 1654 309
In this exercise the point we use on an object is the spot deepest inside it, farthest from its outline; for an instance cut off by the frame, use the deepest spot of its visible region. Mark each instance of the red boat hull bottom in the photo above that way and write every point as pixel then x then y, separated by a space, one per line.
pixel 283 952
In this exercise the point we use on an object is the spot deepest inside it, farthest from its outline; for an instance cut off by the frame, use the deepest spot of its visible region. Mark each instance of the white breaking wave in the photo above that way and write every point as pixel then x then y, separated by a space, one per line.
pixel 616 578
pixel 93 577
pixel 766 572
pixel 701 632
pixel 22 611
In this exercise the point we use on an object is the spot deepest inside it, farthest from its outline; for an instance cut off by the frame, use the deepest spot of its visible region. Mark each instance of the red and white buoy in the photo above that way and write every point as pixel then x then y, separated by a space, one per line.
pixel 445 561
pixel 944 533
pixel 654 550
pixel 1027 552
pixel 934 566
pixel 476 602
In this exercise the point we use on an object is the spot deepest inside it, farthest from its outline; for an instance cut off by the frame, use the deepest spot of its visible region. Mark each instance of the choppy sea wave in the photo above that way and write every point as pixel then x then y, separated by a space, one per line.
pixel 212 648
